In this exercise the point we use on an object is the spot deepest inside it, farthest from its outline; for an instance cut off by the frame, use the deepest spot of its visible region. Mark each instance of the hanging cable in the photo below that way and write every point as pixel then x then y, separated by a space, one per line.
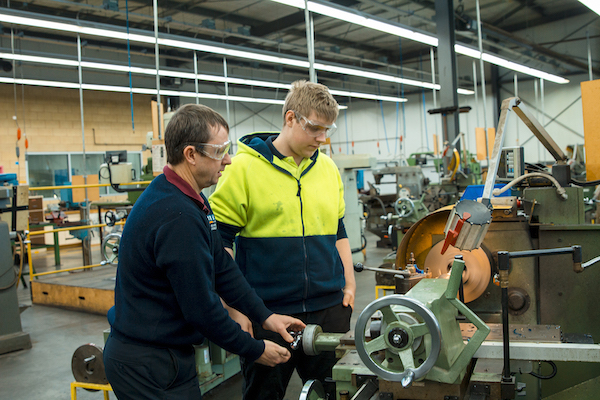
pixel 383 120
pixel 346 123
pixel 15 118
pixel 552 374
pixel 401 139
pixel 424 106
pixel 129 61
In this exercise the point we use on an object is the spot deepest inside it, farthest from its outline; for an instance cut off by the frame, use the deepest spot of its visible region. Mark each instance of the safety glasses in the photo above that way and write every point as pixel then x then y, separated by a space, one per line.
pixel 214 151
pixel 315 129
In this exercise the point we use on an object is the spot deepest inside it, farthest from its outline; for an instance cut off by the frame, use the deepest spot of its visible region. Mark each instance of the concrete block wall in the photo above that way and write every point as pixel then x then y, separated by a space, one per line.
pixel 51 118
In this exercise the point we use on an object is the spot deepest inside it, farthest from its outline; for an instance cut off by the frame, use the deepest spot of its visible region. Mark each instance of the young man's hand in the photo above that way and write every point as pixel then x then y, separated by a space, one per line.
pixel 349 296
pixel 274 354
pixel 282 323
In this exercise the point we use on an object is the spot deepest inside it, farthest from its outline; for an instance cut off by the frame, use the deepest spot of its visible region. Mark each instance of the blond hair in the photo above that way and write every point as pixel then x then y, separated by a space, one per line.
pixel 305 97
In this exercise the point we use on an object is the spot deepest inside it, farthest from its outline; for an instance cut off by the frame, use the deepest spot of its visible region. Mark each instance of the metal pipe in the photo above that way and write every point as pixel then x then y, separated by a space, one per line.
pixel 196 78
pixel 69 269
pixel 476 95
pixel 73 228
pixel 516 84
pixel 503 266
pixel 359 267
pixel 310 40
pixel 226 86
pixel 483 93
pixel 157 66
pixel 589 51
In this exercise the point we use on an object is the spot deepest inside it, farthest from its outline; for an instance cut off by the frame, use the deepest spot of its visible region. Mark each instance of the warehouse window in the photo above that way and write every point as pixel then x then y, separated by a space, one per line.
pixel 56 169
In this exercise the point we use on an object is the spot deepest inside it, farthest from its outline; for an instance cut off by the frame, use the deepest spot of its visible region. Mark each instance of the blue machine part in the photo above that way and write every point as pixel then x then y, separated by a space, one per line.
pixel 473 192
pixel 360 179
pixel 10 179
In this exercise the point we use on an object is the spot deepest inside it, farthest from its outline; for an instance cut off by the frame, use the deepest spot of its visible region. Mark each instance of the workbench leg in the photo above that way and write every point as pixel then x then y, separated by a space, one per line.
pixel 106 395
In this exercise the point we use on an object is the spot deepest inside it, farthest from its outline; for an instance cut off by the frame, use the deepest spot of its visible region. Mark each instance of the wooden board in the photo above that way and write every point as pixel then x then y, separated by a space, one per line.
pixel 480 142
pixel 590 99
pixel 87 291
pixel 79 194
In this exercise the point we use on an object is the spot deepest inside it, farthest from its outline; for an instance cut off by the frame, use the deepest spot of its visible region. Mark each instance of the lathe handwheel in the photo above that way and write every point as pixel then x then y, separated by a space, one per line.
pixel 312 390
pixel 110 218
pixel 110 247
pixel 404 207
pixel 397 339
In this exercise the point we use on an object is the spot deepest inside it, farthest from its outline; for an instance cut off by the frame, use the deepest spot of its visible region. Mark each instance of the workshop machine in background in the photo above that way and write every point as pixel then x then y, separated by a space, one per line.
pixel 523 260
pixel 390 215
pixel 353 218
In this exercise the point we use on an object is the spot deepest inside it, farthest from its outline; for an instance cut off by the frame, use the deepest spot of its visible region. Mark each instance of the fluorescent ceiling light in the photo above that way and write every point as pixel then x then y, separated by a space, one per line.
pixel 183 75
pixel 501 62
pixel 593 5
pixel 124 89
pixel 214 49
pixel 372 22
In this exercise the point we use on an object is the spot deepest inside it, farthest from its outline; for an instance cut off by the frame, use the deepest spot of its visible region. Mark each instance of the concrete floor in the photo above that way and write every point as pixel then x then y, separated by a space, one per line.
pixel 44 371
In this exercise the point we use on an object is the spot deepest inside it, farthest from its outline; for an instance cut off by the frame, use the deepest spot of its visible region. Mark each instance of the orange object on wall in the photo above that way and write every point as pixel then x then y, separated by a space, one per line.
pixel 590 99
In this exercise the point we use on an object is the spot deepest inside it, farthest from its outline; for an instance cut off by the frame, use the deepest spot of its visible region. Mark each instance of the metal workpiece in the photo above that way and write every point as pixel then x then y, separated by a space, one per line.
pixel 87 364
pixel 477 272
pixel 314 340
pixel 312 390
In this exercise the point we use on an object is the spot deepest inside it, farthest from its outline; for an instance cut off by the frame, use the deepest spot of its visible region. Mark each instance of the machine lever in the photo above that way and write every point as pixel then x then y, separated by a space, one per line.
pixel 590 263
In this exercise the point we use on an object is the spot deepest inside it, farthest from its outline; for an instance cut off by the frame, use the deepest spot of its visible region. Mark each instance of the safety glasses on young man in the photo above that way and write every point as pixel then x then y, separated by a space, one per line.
pixel 313 128
pixel 214 151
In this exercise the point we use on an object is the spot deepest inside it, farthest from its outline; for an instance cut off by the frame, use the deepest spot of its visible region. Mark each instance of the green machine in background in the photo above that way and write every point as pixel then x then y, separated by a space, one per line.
pixel 12 337
pixel 213 364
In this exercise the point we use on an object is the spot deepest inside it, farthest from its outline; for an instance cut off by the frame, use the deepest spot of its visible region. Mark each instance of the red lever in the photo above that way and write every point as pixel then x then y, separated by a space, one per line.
pixel 452 235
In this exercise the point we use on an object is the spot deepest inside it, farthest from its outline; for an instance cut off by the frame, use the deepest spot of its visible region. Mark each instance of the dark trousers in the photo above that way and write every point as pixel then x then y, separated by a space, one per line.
pixel 270 383
pixel 142 372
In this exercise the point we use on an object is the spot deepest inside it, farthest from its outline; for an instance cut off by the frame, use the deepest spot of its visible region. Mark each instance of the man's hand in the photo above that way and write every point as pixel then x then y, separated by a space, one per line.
pixel 274 354
pixel 349 296
pixel 280 324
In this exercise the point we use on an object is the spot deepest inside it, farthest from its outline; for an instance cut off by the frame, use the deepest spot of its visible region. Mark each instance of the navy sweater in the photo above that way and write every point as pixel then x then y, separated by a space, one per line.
pixel 172 270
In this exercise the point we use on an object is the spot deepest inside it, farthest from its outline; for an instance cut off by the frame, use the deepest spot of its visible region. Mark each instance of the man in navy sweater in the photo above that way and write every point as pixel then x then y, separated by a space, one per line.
pixel 173 271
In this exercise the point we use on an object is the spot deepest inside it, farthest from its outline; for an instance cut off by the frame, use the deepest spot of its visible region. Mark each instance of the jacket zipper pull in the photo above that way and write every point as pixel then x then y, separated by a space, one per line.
pixel 299 187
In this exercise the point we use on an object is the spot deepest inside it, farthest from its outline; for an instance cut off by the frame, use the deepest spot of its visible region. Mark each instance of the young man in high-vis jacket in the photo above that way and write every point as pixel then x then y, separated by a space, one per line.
pixel 282 202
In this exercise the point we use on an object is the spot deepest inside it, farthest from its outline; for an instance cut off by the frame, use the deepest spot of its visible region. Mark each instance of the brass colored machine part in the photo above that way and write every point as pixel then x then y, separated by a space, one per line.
pixel 476 275
pixel 421 237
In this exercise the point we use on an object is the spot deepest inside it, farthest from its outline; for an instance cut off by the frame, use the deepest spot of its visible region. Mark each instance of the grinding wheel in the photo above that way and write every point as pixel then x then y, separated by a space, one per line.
pixel 476 275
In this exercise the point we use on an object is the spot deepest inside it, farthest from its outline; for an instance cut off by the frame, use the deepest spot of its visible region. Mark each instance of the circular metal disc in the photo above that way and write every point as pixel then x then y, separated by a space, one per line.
pixel 312 390
pixel 419 237
pixel 309 337
pixel 87 364
pixel 477 273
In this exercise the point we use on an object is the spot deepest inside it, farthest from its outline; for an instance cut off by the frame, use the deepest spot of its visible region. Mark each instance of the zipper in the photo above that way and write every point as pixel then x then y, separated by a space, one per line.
pixel 305 296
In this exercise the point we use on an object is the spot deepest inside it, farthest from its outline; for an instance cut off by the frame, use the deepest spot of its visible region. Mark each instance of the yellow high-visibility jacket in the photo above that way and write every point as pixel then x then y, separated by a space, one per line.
pixel 286 218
